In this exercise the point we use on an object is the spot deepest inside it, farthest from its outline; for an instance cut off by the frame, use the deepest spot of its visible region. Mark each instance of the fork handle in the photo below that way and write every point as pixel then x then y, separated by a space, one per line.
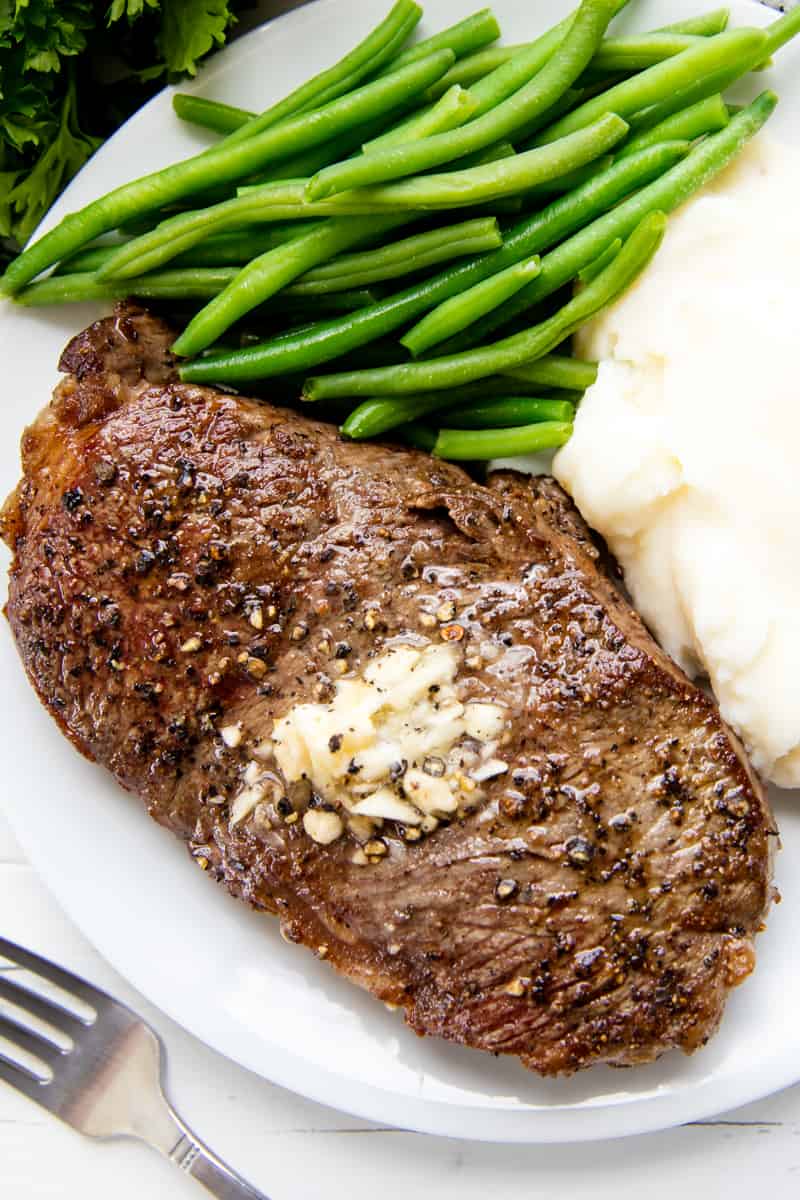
pixel 196 1160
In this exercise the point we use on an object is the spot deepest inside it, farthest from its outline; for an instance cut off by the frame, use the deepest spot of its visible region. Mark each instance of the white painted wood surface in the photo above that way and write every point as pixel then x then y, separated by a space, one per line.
pixel 295 1150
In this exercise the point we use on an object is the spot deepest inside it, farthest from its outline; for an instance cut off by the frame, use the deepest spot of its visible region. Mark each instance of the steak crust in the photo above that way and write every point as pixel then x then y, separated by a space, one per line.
pixel 602 898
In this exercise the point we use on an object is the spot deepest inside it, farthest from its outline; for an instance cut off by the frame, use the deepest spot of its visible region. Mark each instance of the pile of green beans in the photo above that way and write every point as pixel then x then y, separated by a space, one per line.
pixel 286 236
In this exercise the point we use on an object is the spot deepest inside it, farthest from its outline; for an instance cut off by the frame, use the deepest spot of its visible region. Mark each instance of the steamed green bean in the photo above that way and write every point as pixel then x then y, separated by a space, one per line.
pixel 378 47
pixel 511 352
pixel 210 114
pixel 707 116
pixel 225 250
pixel 538 94
pixel 467 71
pixel 378 415
pixel 665 79
pixel 373 417
pixel 200 283
pixel 491 154
pixel 266 275
pixel 473 445
pixel 705 160
pixel 636 53
pixel 455 314
pixel 188 283
pixel 593 269
pixel 706 25
pixel 415 253
pixel 556 371
pixel 222 163
pixel 504 177
pixel 418 435
pixel 505 413
pixel 464 38
pixel 782 31
pixel 454 108
pixel 709 84
pixel 297 353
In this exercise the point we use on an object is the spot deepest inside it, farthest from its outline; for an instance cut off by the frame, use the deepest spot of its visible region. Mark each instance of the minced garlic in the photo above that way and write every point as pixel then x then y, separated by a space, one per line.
pixel 386 747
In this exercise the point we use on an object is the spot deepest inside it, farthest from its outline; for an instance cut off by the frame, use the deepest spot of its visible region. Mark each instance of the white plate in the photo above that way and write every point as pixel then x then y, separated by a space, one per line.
pixel 222 971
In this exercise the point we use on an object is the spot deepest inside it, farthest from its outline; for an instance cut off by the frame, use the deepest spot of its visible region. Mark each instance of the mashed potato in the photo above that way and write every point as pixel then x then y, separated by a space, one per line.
pixel 686 452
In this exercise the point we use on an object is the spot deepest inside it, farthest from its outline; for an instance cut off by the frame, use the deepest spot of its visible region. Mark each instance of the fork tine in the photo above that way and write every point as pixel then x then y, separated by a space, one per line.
pixel 32 1043
pixel 41 1007
pixel 23 1081
pixel 70 983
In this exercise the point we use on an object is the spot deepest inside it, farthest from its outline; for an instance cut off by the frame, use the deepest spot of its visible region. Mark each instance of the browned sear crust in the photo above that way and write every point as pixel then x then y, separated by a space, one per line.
pixel 186 560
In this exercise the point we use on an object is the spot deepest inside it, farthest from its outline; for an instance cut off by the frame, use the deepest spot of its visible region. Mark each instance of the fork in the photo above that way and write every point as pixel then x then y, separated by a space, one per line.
pixel 101 1072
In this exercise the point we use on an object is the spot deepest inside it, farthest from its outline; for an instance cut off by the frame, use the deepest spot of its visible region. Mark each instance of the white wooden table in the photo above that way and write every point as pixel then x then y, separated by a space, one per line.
pixel 295 1150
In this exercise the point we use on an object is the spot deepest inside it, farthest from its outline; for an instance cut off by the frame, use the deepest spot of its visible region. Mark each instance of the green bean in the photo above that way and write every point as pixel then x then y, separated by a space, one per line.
pixel 782 31
pixel 501 84
pixel 705 25
pixel 288 302
pixel 299 166
pixel 193 283
pixel 573 179
pixel 556 371
pixel 455 314
pixel 466 71
pixel 524 138
pixel 272 202
pixel 504 177
pixel 526 61
pixel 86 261
pixel 452 370
pixel 491 154
pixel 211 114
pixel 508 412
pixel 226 249
pixel 364 59
pixel 455 189
pixel 705 160
pixel 473 445
pixel 538 94
pixel 222 163
pixel 374 417
pixel 469 70
pixel 664 79
pixel 374 73
pixel 417 435
pixel 464 38
pixel 185 284
pixel 332 339
pixel 639 51
pixel 266 275
pixel 707 116
pixel 455 108
pixel 415 253
pixel 593 269
pixel 487 66
pixel 777 34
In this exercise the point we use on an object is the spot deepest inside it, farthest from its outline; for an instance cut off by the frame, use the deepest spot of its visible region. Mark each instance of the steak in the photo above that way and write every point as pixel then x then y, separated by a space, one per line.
pixel 412 716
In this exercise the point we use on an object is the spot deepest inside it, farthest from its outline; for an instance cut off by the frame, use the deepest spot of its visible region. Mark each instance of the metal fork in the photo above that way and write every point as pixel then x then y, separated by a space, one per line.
pixel 100 1073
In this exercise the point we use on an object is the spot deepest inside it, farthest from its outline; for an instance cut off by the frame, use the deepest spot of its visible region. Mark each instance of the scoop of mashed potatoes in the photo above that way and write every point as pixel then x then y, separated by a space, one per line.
pixel 686 452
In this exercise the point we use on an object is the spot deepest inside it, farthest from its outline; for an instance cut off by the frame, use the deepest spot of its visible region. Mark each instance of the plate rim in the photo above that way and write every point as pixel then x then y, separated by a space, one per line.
pixel 533 1124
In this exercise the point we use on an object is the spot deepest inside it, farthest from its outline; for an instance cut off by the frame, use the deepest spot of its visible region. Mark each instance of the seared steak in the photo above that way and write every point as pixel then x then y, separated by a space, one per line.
pixel 412 716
